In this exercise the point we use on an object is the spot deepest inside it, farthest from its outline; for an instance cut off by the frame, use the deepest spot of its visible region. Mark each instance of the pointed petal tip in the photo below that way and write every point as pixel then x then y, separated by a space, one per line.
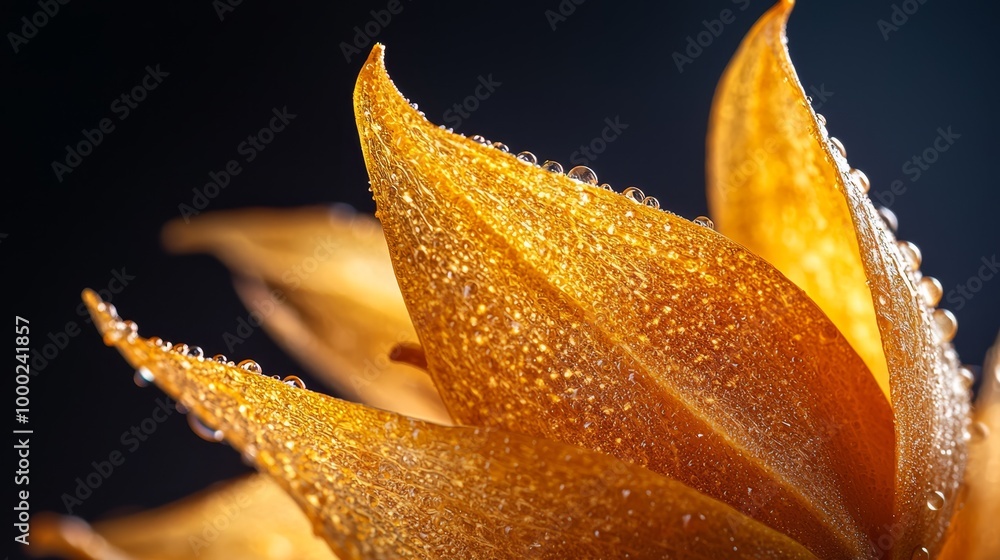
pixel 345 463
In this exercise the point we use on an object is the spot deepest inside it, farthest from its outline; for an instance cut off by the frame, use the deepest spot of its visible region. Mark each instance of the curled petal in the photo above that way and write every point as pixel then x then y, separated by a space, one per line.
pixel 558 309
pixel 805 210
pixel 380 485
pixel 771 186
pixel 322 281
pixel 247 518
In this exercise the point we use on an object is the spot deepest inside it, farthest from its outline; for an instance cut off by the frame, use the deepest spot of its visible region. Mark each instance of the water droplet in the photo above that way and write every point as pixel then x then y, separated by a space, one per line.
pixel 502 147
pixel 821 119
pixel 839 146
pixel 968 378
pixel 251 366
pixel 196 352
pixel 553 166
pixel 889 217
pixel 180 349
pixel 635 194
pixel 705 221
pixel 480 139
pixel 946 323
pixel 294 381
pixel 935 500
pixel 583 174
pixel 977 432
pixel 861 179
pixel 470 290
pixel 528 157
pixel 143 377
pixel 156 341
pixel 921 553
pixel 930 289
pixel 607 187
pixel 415 106
pixel 131 329
pixel 203 431
pixel 651 201
pixel 221 358
pixel 112 310
pixel 911 254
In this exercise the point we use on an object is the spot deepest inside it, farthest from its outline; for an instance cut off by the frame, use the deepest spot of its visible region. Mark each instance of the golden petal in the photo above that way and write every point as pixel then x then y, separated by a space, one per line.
pixel 766 176
pixel 973 535
pixel 247 518
pixel 555 308
pixel 380 485
pixel 804 210
pixel 322 281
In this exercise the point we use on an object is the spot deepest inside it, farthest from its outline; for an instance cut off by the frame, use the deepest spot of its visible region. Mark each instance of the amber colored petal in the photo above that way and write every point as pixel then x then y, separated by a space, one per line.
pixel 804 210
pixel 322 281
pixel 562 310
pixel 771 187
pixel 381 485
pixel 247 518
pixel 974 534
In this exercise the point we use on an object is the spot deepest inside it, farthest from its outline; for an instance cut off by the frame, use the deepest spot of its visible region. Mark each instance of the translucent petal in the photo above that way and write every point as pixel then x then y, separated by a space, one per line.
pixel 248 518
pixel 555 308
pixel 380 485
pixel 803 209
pixel 771 188
pixel 322 281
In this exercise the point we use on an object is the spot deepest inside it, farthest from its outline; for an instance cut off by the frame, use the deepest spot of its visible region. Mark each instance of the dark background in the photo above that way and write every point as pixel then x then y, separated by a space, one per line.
pixel 606 59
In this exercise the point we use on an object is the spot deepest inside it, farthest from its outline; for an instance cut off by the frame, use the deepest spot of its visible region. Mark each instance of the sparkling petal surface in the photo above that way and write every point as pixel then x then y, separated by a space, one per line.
pixel 771 187
pixel 803 195
pixel 381 485
pixel 250 518
pixel 555 308
pixel 322 281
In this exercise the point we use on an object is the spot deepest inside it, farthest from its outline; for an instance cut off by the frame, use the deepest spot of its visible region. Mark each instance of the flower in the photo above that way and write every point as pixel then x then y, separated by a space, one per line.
pixel 624 382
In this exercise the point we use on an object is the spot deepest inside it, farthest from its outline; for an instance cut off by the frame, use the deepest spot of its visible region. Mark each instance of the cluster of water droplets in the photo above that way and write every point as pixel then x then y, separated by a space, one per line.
pixel 143 377
pixel 928 287
pixel 930 291
pixel 580 173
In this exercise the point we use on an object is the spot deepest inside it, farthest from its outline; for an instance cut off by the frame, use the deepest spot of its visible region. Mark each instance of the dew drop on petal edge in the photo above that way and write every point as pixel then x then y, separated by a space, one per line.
pixel 705 221
pixel 250 366
pixel 583 174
